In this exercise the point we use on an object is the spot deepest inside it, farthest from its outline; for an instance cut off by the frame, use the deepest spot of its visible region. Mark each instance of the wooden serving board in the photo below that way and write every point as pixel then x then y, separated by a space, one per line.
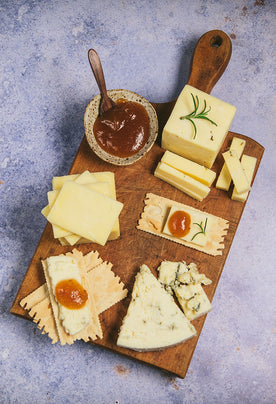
pixel 135 247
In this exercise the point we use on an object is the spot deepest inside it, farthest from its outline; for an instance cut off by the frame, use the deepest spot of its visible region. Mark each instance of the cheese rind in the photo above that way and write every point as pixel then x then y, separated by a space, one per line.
pixel 189 167
pixel 153 320
pixel 224 178
pixel 248 164
pixel 178 134
pixel 236 171
pixel 85 212
pixel 183 182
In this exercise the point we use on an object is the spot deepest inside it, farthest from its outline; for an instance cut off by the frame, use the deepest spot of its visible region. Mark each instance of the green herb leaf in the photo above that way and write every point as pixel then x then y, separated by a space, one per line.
pixel 201 115
pixel 202 228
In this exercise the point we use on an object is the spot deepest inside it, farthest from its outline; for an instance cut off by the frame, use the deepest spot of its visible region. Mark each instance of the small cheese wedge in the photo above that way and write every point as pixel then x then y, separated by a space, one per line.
pixel 185 183
pixel 203 143
pixel 189 167
pixel 236 171
pixel 224 178
pixel 193 300
pixel 85 212
pixel 153 320
pixel 200 226
pixel 248 164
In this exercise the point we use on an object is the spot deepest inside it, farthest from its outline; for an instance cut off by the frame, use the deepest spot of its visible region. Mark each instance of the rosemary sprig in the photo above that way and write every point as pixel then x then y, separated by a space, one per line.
pixel 202 228
pixel 198 115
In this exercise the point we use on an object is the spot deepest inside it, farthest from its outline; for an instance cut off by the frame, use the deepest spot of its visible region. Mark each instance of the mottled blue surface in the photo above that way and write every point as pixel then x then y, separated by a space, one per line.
pixel 45 84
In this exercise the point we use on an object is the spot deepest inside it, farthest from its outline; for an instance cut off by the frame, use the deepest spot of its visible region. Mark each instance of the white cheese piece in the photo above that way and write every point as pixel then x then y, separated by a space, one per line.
pixel 179 134
pixel 193 300
pixel 200 226
pixel 236 171
pixel 62 268
pixel 85 212
pixel 153 320
pixel 57 182
pixel 248 164
pixel 224 178
pixel 185 183
pixel 189 167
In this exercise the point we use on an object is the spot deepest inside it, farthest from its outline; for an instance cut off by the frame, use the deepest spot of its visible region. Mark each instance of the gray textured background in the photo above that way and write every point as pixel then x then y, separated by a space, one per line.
pixel 45 84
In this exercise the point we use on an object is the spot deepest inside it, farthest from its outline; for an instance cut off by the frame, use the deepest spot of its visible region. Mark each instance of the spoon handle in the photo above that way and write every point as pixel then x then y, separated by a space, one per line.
pixel 96 66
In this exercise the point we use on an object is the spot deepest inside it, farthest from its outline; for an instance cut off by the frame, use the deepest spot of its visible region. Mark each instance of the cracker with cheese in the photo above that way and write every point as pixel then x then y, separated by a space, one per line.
pixel 105 287
pixel 154 217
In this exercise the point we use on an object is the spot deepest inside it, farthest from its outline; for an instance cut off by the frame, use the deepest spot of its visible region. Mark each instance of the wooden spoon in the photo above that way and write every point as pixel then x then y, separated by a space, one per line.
pixel 210 59
pixel 96 66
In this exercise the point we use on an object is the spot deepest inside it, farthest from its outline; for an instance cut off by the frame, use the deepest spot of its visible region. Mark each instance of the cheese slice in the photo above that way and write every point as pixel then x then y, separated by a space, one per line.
pixel 200 227
pixel 57 182
pixel 60 268
pixel 85 212
pixel 236 171
pixel 224 178
pixel 248 164
pixel 185 183
pixel 179 134
pixel 153 320
pixel 189 167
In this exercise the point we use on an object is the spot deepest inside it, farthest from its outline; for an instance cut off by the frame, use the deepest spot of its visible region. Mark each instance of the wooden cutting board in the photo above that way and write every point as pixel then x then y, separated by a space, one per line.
pixel 135 247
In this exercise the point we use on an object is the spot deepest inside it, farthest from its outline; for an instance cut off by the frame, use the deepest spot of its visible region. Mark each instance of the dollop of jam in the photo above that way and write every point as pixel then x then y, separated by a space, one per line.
pixel 122 130
pixel 71 294
pixel 179 223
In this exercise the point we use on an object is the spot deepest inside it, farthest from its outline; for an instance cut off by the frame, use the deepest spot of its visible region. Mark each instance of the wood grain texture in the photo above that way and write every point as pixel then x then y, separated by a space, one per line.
pixel 135 247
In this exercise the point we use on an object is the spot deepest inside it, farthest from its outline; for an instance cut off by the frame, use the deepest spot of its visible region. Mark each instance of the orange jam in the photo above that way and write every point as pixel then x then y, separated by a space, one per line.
pixel 122 130
pixel 71 294
pixel 179 223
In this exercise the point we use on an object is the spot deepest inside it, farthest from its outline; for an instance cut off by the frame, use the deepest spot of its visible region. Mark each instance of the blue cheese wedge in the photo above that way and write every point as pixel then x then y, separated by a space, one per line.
pixel 153 320
pixel 185 281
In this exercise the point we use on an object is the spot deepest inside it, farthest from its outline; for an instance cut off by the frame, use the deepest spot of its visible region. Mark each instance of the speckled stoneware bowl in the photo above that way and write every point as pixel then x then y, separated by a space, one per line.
pixel 92 112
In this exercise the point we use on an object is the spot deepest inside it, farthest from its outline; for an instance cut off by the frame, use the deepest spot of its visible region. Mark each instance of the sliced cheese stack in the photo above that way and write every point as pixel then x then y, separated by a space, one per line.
pixel 83 208
pixel 197 126
pixel 239 171
pixel 190 177
pixel 153 320
pixel 185 281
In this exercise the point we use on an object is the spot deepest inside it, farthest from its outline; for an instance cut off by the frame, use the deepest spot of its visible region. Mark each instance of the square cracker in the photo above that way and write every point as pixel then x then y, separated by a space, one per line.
pixel 154 216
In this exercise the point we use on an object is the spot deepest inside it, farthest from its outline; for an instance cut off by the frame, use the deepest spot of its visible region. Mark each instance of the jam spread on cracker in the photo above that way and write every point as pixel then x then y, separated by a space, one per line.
pixel 122 130
pixel 179 223
pixel 71 294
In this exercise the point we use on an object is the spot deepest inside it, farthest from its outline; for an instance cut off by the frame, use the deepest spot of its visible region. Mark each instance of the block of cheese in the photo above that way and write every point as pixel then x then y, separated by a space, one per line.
pixel 185 183
pixel 193 300
pixel 189 135
pixel 224 178
pixel 189 167
pixel 85 212
pixel 195 224
pixel 248 164
pixel 153 320
pixel 236 171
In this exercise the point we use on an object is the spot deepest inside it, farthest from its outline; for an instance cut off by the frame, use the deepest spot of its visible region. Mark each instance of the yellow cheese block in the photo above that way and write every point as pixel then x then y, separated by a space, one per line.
pixel 197 139
pixel 188 167
pixel 248 164
pixel 85 212
pixel 224 179
pixel 200 226
pixel 236 171
pixel 185 183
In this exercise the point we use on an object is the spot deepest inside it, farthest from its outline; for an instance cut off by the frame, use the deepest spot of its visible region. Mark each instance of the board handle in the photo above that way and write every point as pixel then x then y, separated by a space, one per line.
pixel 211 56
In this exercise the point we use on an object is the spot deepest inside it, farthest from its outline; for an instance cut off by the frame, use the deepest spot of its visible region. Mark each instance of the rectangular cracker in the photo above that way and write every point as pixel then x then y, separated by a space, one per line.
pixel 154 217
pixel 106 288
